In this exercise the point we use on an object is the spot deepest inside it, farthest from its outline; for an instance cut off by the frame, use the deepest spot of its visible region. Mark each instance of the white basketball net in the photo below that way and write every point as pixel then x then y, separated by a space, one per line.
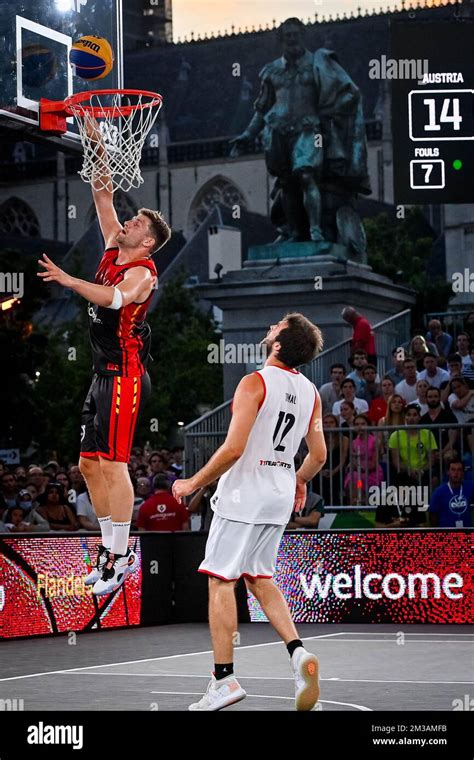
pixel 113 139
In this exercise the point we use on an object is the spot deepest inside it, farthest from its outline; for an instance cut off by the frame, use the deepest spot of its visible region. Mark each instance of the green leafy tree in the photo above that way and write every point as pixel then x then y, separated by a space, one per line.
pixel 21 348
pixel 182 378
pixel 46 371
pixel 60 390
pixel 403 251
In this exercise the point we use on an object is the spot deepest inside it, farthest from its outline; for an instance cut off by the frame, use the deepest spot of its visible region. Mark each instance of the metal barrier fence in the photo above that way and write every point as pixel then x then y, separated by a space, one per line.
pixel 204 435
pixel 387 466
pixel 452 321
pixel 389 334
pixel 389 469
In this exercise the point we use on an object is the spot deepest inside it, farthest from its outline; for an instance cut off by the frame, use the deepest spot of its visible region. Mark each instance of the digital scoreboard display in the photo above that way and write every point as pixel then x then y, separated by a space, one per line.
pixel 432 80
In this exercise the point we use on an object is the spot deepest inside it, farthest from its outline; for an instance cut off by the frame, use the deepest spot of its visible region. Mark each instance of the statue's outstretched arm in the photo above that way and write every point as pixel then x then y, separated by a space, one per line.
pixel 264 102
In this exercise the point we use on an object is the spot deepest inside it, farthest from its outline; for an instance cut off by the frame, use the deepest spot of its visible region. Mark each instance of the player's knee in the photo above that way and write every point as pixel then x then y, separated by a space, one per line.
pixel 112 470
pixel 256 585
pixel 219 584
pixel 88 466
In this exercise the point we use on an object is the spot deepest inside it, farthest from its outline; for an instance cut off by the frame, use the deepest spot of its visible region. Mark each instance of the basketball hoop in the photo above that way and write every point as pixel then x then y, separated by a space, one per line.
pixel 113 126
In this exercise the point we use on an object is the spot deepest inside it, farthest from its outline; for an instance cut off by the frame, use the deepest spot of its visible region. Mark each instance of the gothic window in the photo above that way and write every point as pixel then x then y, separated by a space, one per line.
pixel 216 191
pixel 17 218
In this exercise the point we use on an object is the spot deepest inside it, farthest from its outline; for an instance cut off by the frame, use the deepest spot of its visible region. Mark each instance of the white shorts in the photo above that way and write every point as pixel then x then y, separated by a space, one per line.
pixel 234 549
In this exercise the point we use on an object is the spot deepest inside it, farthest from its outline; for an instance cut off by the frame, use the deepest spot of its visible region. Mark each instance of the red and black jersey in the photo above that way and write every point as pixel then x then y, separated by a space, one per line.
pixel 120 338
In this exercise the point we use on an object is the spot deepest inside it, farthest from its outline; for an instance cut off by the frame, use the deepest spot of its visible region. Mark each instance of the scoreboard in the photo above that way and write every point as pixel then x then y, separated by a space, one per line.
pixel 433 111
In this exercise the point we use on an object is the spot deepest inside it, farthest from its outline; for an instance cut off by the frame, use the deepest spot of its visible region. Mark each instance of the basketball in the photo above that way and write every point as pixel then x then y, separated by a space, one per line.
pixel 91 57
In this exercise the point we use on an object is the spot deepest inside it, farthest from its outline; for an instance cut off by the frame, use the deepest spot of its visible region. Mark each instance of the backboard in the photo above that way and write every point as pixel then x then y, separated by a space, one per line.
pixel 35 39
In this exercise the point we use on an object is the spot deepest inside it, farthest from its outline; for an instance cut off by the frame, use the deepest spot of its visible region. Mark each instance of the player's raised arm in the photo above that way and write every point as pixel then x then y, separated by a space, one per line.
pixel 135 287
pixel 102 185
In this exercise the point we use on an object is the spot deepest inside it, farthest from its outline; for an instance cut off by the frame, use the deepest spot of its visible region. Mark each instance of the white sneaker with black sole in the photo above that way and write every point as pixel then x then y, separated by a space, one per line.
pixel 116 569
pixel 306 671
pixel 96 572
pixel 227 691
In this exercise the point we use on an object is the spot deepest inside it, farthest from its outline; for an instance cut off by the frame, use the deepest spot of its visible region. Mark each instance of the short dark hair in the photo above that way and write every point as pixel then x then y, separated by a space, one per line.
pixel 161 483
pixel 454 358
pixel 430 353
pixel 337 366
pixel 387 377
pixel 349 403
pixel 359 352
pixel 53 486
pixel 456 460
pixel 160 230
pixel 363 417
pixel 293 21
pixel 347 381
pixel 409 360
pixel 433 388
pixel 10 511
pixel 414 406
pixel 300 342
pixel 370 366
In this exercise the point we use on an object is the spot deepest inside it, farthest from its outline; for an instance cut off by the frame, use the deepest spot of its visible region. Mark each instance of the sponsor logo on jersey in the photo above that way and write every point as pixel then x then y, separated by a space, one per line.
pixel 270 463
pixel 93 315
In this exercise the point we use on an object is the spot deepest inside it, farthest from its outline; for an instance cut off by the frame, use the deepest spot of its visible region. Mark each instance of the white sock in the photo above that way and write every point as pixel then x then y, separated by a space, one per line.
pixel 121 531
pixel 106 530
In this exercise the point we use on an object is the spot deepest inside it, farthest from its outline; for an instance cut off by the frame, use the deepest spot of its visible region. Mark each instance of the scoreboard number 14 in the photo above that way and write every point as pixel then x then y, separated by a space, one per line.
pixel 440 115
pixel 455 118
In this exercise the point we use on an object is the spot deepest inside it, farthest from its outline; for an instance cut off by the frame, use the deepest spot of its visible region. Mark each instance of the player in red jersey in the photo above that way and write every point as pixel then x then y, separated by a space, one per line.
pixel 120 339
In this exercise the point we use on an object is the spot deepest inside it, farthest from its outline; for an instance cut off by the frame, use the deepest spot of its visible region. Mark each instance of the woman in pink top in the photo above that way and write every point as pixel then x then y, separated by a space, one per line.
pixel 363 469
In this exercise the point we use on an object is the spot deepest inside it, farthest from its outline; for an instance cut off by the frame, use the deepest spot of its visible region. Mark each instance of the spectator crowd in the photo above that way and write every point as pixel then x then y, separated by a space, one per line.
pixel 51 497
pixel 411 430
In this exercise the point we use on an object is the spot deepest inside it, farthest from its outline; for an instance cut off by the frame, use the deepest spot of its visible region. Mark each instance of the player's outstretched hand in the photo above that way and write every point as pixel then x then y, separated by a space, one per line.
pixel 53 273
pixel 182 488
pixel 92 128
pixel 300 497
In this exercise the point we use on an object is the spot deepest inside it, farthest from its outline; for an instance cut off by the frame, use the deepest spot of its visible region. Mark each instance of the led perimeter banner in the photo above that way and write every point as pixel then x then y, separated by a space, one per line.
pixel 386 576
pixel 395 576
pixel 42 588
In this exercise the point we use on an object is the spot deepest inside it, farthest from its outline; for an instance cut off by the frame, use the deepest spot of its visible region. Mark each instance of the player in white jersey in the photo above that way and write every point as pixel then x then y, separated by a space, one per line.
pixel 273 409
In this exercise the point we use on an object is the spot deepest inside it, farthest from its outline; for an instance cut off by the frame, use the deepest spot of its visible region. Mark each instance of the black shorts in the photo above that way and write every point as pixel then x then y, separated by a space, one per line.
pixel 110 413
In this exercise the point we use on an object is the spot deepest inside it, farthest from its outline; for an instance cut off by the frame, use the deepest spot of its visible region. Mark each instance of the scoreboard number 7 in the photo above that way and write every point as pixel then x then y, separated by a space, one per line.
pixel 455 118
pixel 428 169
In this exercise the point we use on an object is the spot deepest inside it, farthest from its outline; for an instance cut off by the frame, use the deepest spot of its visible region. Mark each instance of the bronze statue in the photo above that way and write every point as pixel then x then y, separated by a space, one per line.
pixel 309 114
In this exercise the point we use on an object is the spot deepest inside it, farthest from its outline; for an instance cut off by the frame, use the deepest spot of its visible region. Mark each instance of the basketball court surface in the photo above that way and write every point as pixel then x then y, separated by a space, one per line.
pixel 362 668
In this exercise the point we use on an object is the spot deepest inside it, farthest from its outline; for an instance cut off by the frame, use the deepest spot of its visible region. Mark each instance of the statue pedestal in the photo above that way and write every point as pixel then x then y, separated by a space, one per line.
pixel 287 250
pixel 319 285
